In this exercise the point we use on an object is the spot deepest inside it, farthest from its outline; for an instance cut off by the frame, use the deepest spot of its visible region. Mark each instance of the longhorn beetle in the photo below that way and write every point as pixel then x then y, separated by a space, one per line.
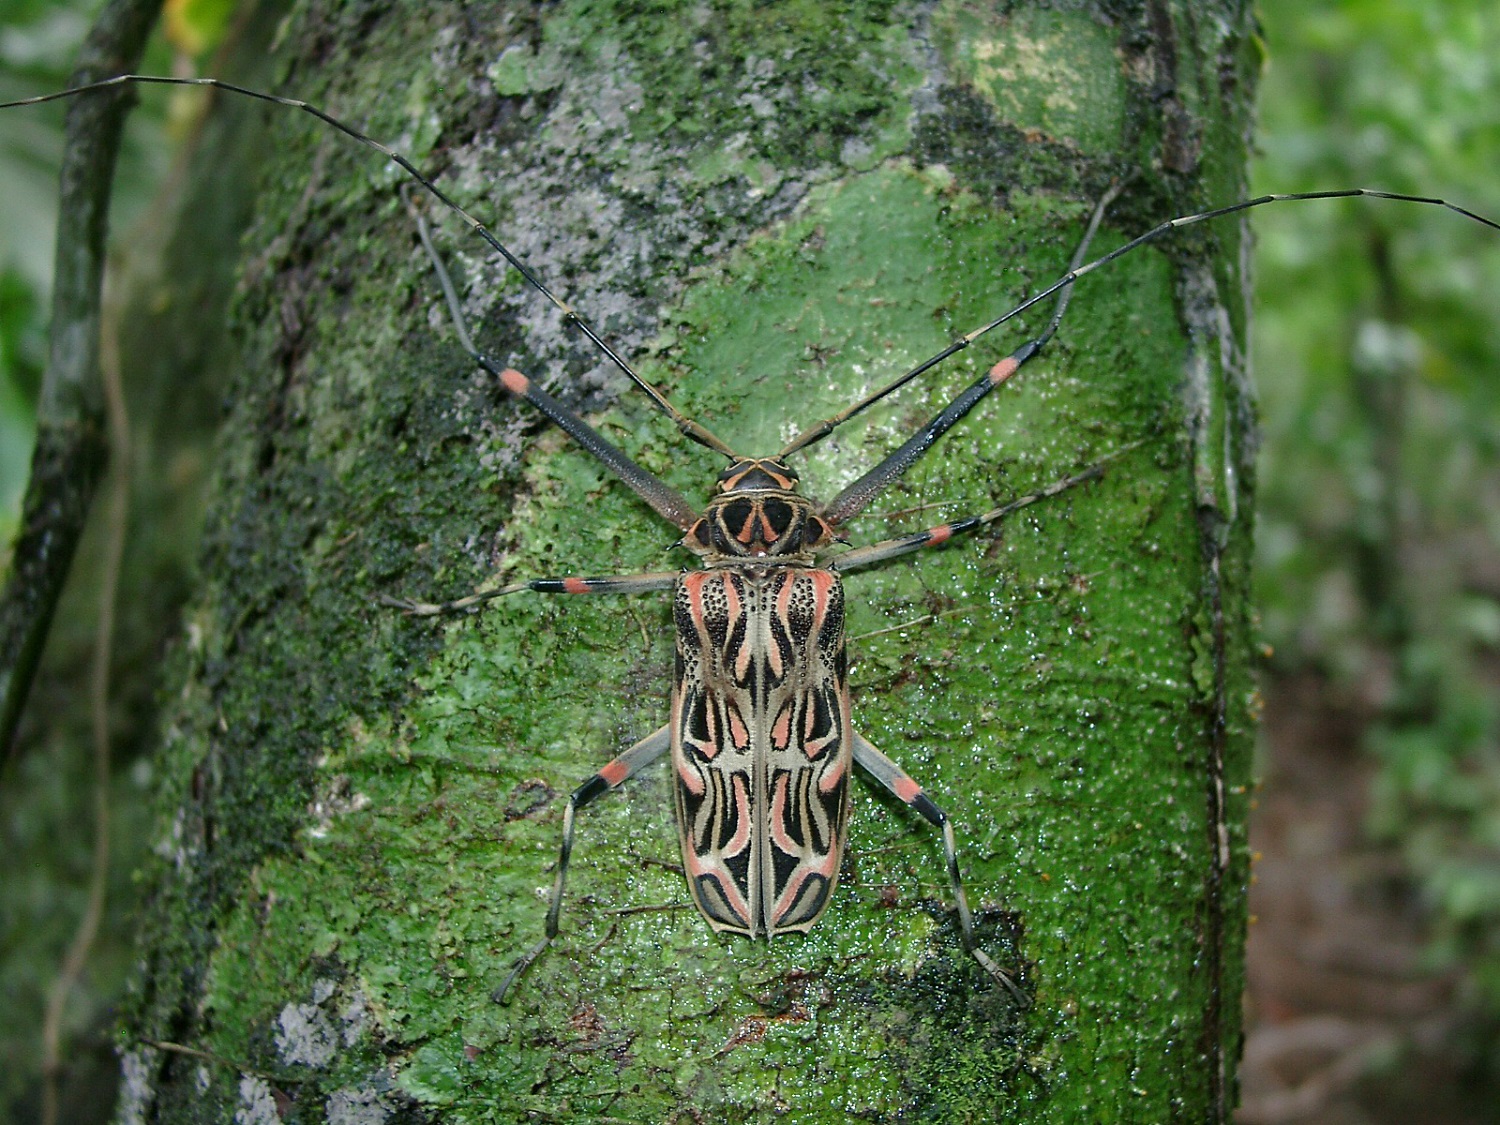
pixel 760 734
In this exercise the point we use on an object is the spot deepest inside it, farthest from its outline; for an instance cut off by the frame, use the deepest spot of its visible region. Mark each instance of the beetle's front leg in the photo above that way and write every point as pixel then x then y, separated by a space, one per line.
pixel 616 584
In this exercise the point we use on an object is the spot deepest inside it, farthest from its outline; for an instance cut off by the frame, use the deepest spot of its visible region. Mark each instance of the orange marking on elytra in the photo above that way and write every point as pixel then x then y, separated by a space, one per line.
pixel 907 789
pixel 576 585
pixel 781 730
pixel 514 382
pixel 940 534
pixel 740 792
pixel 614 773
pixel 691 781
pixel 822 584
pixel 739 735
pixel 832 775
pixel 777 817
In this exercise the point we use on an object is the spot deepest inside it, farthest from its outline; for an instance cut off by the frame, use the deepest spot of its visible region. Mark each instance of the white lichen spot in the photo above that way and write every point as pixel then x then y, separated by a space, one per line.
pixel 137 1091
pixel 358 1106
pixel 857 152
pixel 305 1034
pixel 257 1103
pixel 354 1015
pixel 758 104
pixel 334 799
pixel 1004 66
pixel 173 849
pixel 619 95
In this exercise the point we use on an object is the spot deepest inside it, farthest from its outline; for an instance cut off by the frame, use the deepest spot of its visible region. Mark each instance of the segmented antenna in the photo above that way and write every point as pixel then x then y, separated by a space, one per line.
pixel 689 427
pixel 818 432
pixel 685 425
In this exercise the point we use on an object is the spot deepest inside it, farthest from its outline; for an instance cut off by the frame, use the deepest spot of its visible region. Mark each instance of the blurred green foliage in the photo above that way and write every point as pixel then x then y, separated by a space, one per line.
pixel 46 811
pixel 38 47
pixel 1377 344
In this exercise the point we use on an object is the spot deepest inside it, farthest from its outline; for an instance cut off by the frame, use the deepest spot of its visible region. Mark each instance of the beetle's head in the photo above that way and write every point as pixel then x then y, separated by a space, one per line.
pixel 758 514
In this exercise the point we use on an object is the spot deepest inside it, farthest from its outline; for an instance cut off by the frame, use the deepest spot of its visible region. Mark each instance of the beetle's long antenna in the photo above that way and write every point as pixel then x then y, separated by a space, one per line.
pixel 685 425
pixel 664 499
pixel 854 498
pixel 828 425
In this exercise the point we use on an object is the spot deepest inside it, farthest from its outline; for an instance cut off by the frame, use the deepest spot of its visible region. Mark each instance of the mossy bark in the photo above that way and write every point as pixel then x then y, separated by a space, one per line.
pixel 771 209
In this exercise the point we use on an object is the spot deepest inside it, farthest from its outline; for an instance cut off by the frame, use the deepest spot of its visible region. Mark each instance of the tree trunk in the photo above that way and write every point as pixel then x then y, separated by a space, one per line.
pixel 771 209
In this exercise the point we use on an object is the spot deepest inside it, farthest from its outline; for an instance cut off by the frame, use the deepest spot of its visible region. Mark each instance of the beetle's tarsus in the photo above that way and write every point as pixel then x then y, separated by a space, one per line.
pixel 501 995
pixel 989 965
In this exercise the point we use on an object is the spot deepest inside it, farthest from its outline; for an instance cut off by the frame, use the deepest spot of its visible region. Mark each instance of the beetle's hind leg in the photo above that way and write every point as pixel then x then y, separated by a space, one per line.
pixel 626 766
pixel 894 780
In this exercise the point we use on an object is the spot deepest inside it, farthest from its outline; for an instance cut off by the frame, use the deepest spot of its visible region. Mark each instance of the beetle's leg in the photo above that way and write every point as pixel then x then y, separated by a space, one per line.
pixel 894 780
pixel 659 495
pixel 1079 268
pixel 626 766
pixel 936 536
pixel 615 584
pixel 853 500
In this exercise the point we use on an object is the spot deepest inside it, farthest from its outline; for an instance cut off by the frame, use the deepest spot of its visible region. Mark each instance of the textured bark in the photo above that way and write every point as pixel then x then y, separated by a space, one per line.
pixel 771 208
